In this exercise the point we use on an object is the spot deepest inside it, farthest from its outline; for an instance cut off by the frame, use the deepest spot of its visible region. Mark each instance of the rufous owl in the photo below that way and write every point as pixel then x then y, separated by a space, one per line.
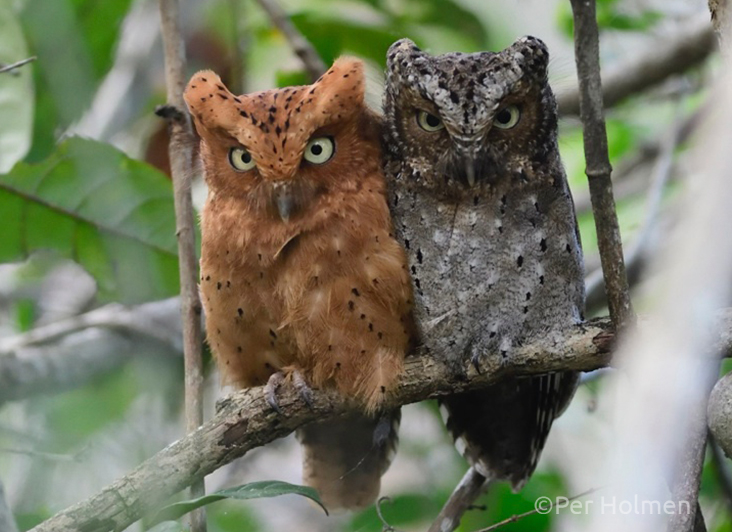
pixel 301 275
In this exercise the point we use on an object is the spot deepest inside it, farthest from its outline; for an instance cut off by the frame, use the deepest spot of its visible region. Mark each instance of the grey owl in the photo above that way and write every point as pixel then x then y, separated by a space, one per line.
pixel 480 201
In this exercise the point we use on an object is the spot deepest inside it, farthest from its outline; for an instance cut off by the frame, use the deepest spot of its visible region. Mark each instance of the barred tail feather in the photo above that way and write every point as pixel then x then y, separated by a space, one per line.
pixel 501 430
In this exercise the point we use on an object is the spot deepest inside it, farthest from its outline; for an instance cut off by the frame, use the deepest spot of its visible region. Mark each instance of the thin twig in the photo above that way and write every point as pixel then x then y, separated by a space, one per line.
pixel 7 521
pixel 385 526
pixel 471 486
pixel 660 176
pixel 56 457
pixel 542 509
pixel 17 64
pixel 300 45
pixel 181 164
pixel 691 43
pixel 133 319
pixel 587 54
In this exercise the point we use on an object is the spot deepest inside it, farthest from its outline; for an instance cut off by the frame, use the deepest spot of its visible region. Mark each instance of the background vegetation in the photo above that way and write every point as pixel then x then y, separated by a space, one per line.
pixel 87 220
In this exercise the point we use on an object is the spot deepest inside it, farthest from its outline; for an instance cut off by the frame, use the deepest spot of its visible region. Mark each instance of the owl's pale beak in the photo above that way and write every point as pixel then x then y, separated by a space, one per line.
pixel 285 202
pixel 470 171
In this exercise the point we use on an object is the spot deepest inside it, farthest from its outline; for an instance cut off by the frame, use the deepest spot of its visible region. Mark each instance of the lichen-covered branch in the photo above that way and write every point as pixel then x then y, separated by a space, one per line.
pixel 587 55
pixel 246 421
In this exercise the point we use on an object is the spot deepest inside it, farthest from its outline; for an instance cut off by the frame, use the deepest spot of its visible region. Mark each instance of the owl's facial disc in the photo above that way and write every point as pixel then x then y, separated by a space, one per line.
pixel 280 150
pixel 471 110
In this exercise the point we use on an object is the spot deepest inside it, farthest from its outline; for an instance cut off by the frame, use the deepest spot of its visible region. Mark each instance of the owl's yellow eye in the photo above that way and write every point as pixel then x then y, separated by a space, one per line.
pixel 507 117
pixel 241 160
pixel 319 150
pixel 429 122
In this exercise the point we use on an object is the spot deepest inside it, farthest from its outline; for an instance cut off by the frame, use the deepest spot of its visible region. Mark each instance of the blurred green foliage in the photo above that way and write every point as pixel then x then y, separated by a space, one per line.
pixel 612 15
pixel 113 214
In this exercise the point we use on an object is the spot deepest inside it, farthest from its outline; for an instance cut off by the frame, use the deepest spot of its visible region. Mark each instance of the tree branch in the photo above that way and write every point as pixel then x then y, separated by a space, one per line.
pixel 587 54
pixel 472 486
pixel 721 12
pixel 157 320
pixel 246 421
pixel 28 369
pixel 300 45
pixel 689 46
pixel 181 166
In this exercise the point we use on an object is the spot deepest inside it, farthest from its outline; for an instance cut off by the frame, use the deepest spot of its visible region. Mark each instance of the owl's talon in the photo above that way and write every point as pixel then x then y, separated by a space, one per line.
pixel 475 361
pixel 270 390
pixel 303 388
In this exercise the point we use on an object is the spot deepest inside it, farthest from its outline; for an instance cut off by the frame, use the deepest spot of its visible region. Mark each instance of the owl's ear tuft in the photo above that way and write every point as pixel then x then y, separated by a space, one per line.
pixel 341 87
pixel 403 49
pixel 209 101
pixel 533 54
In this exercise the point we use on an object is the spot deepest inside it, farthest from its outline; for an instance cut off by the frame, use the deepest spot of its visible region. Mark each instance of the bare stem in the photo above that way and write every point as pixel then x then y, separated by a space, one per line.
pixel 472 486
pixel 300 45
pixel 17 64
pixel 587 54
pixel 181 163
pixel 542 509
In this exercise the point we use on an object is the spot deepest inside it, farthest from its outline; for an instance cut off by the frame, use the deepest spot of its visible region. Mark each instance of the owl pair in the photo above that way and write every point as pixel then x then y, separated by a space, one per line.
pixel 305 279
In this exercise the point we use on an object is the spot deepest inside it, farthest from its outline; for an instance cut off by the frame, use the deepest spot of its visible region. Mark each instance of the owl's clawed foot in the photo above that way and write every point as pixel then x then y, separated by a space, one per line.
pixel 303 388
pixel 475 361
pixel 270 390
pixel 298 381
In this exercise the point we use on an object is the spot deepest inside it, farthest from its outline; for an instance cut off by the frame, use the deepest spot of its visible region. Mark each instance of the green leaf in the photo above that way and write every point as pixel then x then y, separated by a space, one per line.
pixel 111 214
pixel 16 92
pixel 168 526
pixel 100 24
pixel 254 490
pixel 332 35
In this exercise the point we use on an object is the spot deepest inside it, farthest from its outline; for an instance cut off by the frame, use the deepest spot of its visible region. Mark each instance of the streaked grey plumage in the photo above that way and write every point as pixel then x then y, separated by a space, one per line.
pixel 483 207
